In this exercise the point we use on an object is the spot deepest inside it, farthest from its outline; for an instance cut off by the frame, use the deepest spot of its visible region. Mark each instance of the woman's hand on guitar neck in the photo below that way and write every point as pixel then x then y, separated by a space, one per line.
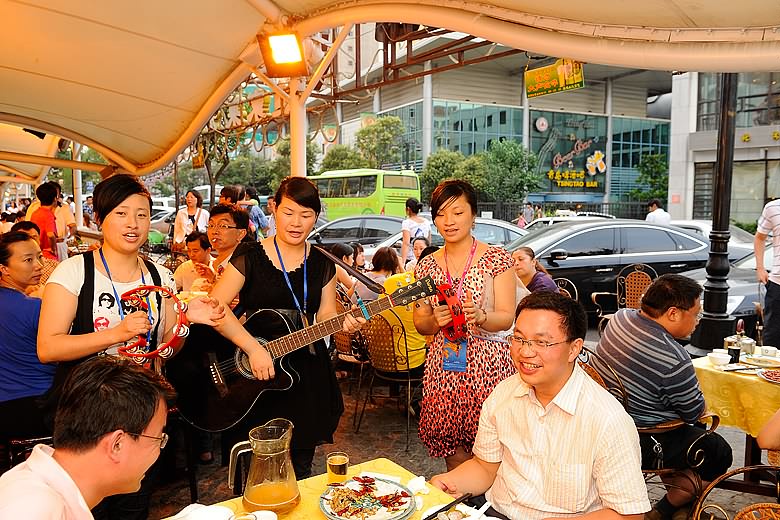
pixel 353 324
pixel 261 362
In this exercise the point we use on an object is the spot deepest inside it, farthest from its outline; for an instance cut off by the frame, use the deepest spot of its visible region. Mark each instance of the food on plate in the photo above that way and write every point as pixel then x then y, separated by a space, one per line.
pixel 451 515
pixel 363 501
pixel 773 375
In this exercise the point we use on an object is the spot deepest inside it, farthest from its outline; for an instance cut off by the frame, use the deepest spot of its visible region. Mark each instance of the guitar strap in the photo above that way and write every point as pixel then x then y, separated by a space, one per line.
pixel 368 282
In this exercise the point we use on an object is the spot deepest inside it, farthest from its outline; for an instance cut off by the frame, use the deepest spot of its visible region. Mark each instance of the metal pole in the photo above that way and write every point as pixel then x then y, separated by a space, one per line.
pixel 76 181
pixel 297 130
pixel 716 323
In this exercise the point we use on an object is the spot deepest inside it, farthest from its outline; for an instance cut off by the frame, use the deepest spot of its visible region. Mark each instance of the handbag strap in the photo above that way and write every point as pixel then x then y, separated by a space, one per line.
pixel 368 282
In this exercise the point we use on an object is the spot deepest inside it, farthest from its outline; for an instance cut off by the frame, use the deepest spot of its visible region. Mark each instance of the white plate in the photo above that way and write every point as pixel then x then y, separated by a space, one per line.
pixel 760 361
pixel 761 373
pixel 463 508
pixel 383 487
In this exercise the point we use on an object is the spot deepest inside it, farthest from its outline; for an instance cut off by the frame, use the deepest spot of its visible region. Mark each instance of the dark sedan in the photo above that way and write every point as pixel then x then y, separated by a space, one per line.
pixel 591 254
pixel 366 229
pixel 744 289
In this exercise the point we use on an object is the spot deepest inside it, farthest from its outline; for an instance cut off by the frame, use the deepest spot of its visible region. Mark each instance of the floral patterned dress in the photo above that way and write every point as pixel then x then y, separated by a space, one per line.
pixel 452 401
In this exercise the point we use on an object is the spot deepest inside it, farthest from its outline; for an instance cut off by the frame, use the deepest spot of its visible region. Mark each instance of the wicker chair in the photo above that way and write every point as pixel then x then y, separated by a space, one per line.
pixel 388 352
pixel 593 364
pixel 632 281
pixel 707 510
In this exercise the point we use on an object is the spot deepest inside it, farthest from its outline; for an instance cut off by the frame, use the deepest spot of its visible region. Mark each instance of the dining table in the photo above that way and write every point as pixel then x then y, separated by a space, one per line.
pixel 313 487
pixel 742 400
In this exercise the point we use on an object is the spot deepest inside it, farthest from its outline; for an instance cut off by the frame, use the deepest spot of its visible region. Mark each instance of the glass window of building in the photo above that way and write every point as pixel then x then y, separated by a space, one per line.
pixel 758 100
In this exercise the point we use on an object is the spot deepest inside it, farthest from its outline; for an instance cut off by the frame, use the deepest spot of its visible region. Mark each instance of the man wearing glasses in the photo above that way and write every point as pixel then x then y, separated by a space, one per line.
pixel 228 226
pixel 108 431
pixel 551 441
pixel 656 371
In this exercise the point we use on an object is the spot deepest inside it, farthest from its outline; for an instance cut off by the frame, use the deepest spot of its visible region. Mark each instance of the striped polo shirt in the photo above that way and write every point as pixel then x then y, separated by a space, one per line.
pixel 655 370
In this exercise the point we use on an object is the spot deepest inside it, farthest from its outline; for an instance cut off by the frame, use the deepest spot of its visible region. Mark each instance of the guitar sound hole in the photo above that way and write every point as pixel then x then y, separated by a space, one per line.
pixel 242 363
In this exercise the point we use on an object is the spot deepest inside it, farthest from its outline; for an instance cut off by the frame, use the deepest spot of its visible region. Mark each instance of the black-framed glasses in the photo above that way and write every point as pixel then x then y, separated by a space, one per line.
pixel 220 227
pixel 163 438
pixel 535 344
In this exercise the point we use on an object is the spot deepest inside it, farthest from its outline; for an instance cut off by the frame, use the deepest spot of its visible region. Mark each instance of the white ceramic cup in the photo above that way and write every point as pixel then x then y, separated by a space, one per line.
pixel 769 351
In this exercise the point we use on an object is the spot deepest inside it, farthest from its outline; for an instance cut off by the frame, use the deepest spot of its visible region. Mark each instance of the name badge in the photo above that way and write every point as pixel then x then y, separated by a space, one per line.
pixel 455 355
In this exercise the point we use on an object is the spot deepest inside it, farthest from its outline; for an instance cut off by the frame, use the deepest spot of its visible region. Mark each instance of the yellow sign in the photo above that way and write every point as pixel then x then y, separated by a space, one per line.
pixel 564 74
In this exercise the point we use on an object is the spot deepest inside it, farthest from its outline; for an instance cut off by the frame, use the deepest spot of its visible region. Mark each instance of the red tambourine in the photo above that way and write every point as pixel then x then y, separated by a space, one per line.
pixel 457 329
pixel 135 299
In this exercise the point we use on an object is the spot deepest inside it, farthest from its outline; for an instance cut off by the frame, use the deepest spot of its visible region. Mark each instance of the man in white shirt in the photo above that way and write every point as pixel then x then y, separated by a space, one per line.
pixel 551 441
pixel 108 431
pixel 656 214
pixel 187 275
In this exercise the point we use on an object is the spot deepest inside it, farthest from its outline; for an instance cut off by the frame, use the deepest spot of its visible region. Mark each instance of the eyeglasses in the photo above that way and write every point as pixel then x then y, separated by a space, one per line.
pixel 163 439
pixel 535 344
pixel 220 227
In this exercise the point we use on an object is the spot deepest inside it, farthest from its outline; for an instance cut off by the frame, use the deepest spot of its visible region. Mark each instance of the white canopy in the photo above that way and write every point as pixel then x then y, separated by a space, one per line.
pixel 138 80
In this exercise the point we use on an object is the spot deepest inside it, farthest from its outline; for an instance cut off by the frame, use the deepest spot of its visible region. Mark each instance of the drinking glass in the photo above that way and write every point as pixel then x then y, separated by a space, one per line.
pixel 337 462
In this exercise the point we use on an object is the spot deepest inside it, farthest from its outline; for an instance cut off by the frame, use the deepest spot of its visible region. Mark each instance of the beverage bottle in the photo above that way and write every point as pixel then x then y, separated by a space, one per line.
pixel 759 335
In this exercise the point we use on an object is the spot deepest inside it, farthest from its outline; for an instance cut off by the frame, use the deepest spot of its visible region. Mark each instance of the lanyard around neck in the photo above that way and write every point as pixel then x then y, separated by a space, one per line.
pixel 466 268
pixel 289 285
pixel 119 302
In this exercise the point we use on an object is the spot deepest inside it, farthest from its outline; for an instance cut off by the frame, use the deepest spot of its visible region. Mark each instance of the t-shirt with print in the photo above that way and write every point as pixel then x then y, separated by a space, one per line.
pixel 106 311
pixel 415 229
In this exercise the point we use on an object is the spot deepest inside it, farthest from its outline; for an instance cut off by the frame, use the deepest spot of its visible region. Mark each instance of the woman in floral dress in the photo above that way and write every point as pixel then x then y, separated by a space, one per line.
pixel 455 385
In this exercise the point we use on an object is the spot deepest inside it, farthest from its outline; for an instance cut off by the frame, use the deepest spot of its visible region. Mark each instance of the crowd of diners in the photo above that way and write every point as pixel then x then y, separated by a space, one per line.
pixel 505 403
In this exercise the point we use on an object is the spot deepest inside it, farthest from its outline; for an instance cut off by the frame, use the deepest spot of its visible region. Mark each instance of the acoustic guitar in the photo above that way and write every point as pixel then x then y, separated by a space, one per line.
pixel 213 378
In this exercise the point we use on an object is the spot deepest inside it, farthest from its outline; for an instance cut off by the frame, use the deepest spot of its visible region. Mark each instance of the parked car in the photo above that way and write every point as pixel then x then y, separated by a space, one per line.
pixel 365 229
pixel 744 289
pixel 740 241
pixel 590 254
pixel 488 230
pixel 579 217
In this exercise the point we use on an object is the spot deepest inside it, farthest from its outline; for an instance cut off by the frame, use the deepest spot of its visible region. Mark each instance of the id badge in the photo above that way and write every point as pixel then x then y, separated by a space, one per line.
pixel 455 355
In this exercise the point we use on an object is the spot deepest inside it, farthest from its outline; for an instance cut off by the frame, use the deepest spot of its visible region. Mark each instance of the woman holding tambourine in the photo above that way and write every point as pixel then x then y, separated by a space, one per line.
pixel 92 305
pixel 469 355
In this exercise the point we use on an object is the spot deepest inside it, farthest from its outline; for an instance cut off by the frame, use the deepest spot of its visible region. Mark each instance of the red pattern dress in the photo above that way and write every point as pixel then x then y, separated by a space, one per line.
pixel 452 401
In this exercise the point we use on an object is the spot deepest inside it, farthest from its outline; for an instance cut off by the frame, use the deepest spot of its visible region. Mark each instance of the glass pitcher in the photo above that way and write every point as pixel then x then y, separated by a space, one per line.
pixel 271 483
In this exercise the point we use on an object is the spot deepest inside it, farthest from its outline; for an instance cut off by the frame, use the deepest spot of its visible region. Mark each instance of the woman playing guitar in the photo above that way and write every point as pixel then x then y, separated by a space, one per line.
pixel 468 357
pixel 285 273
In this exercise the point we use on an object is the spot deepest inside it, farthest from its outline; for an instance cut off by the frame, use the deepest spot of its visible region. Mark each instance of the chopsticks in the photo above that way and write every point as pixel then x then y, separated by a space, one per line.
pixel 447 507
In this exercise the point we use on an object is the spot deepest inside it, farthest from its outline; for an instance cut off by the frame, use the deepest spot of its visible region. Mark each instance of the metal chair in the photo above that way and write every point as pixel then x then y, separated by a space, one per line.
pixel 759 510
pixel 594 366
pixel 567 288
pixel 388 353
pixel 632 281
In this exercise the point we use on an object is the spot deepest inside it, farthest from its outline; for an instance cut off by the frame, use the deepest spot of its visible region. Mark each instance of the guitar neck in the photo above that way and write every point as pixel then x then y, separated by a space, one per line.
pixel 306 336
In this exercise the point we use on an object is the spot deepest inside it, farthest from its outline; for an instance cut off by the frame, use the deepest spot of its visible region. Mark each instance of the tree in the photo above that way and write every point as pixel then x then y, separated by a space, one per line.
pixel 474 171
pixel 215 148
pixel 510 171
pixel 441 165
pixel 280 167
pixel 380 143
pixel 653 177
pixel 64 176
pixel 342 157
pixel 249 169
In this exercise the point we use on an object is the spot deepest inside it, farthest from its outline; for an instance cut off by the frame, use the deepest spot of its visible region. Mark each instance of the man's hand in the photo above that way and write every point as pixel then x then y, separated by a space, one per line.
pixel 762 275
pixel 205 310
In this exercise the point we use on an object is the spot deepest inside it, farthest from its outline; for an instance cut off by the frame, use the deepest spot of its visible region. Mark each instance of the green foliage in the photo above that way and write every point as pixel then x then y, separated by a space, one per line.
pixel 380 143
pixel 280 167
pixel 342 157
pixel 750 227
pixel 163 188
pixel 249 169
pixel 64 176
pixel 473 170
pixel 441 165
pixel 653 176
pixel 510 172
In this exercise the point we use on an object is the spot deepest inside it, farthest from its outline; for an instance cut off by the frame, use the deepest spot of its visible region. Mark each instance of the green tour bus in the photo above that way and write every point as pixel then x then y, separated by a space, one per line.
pixel 364 191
